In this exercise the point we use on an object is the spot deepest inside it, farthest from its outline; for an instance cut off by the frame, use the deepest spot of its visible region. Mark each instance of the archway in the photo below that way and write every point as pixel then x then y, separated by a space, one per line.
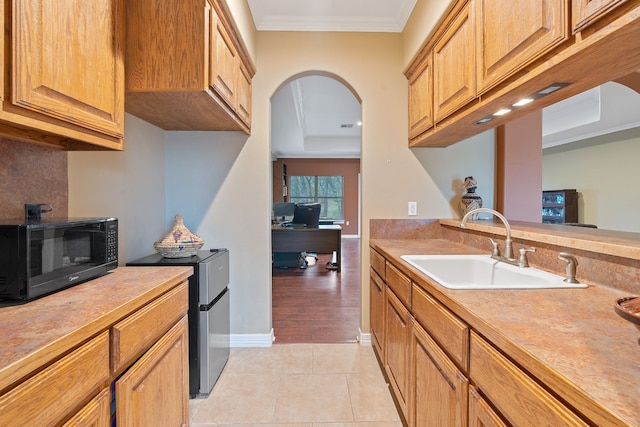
pixel 316 134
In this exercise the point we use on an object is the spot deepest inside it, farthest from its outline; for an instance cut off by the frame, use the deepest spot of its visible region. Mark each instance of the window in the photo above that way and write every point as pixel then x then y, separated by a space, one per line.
pixel 327 190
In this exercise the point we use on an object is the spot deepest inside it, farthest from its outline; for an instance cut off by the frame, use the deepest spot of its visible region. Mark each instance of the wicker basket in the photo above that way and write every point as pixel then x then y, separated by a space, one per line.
pixel 179 242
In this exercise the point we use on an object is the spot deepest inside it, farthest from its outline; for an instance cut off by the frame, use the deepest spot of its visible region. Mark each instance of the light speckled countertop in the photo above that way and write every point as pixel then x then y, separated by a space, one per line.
pixel 571 338
pixel 33 333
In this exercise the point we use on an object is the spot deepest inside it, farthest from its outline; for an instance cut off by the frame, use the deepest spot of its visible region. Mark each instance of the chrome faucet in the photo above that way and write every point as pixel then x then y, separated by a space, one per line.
pixel 508 247
pixel 572 263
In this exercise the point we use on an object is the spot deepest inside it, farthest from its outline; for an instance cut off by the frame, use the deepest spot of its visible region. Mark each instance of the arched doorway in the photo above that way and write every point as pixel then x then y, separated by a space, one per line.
pixel 316 137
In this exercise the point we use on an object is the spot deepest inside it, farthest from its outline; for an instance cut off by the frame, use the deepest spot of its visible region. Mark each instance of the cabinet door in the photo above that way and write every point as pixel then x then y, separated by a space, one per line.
pixel 223 62
pixel 376 294
pixel 586 12
pixel 96 413
pixel 155 390
pixel 510 35
pixel 396 335
pixel 454 78
pixel 439 389
pixel 480 413
pixel 67 62
pixel 243 101
pixel 421 98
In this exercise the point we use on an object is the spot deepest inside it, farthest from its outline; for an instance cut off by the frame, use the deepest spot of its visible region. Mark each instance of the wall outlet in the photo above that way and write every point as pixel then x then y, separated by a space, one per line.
pixel 413 208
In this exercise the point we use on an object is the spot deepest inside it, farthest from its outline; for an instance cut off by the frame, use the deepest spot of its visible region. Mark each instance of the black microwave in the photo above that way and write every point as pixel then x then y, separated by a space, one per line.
pixel 39 257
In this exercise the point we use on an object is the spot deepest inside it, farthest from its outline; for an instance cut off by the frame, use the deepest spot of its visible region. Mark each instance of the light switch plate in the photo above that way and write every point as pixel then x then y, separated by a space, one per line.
pixel 413 208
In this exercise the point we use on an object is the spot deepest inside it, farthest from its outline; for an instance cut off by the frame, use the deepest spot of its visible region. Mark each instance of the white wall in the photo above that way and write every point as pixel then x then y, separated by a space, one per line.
pixel 129 185
pixel 604 171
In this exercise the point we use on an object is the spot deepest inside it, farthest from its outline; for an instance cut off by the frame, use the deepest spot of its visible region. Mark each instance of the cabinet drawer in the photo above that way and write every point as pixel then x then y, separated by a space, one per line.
pixel 522 401
pixel 400 284
pixel 377 262
pixel 49 396
pixel 135 334
pixel 445 327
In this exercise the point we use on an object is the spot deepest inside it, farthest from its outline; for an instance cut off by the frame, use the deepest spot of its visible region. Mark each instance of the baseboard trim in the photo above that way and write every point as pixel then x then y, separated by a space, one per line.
pixel 252 340
pixel 364 338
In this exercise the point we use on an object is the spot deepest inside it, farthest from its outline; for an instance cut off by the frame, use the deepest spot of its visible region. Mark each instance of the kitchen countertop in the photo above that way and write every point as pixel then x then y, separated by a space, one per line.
pixel 36 332
pixel 571 339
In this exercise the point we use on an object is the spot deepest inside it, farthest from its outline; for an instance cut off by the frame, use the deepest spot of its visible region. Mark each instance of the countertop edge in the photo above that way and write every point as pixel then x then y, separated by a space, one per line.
pixel 14 372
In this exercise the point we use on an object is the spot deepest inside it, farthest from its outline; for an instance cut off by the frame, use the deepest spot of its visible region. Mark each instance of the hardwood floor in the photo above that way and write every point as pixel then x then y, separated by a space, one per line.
pixel 318 305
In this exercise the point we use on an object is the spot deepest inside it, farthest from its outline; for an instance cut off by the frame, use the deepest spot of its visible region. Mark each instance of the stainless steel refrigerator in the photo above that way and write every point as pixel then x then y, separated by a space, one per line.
pixel 208 314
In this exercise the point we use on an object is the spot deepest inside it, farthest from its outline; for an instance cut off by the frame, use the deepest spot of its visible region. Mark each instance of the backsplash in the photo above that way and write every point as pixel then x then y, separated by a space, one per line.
pixel 593 267
pixel 32 173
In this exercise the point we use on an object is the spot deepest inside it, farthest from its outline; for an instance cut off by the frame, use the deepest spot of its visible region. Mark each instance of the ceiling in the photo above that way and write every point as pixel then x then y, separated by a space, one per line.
pixel 331 15
pixel 318 116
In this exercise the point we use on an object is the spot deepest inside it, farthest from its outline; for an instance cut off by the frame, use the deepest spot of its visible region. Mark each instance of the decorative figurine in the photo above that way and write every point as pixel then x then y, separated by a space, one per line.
pixel 470 200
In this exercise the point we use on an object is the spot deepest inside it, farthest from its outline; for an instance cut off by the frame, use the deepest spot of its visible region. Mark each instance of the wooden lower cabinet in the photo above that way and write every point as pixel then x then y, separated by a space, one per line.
pixel 439 390
pixel 69 381
pixel 480 413
pixel 152 380
pixel 519 399
pixel 154 391
pixel 397 334
pixel 96 413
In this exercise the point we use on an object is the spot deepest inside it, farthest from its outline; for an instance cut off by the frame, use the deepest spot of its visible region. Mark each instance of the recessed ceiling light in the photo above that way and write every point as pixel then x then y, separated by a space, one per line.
pixel 502 112
pixel 484 120
pixel 359 123
pixel 552 88
pixel 523 101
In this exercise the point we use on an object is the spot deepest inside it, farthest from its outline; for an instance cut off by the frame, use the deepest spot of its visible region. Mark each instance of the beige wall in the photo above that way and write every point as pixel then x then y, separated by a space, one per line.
pixel 604 171
pixel 392 174
pixel 426 14
pixel 222 181
pixel 244 21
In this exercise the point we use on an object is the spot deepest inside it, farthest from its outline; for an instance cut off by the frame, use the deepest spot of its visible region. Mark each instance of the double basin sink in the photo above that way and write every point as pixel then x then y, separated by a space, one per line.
pixel 484 272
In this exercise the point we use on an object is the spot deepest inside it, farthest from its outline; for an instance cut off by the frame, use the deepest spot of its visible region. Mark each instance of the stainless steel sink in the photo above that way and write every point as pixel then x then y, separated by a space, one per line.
pixel 483 272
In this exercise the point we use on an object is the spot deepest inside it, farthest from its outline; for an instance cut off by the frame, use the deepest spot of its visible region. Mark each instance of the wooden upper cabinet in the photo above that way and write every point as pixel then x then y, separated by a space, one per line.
pixel 586 12
pixel 510 35
pixel 184 66
pixel 454 77
pixel 421 96
pixel 64 66
pixel 224 66
pixel 243 100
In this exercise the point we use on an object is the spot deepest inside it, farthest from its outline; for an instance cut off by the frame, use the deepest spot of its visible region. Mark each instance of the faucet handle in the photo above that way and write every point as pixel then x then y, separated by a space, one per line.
pixel 572 263
pixel 523 261
pixel 495 252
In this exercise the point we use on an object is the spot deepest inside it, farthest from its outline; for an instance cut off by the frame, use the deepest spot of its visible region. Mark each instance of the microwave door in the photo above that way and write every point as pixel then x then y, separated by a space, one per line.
pixel 52 252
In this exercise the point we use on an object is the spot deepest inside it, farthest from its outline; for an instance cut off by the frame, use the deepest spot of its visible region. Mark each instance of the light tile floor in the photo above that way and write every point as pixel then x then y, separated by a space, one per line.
pixel 299 385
